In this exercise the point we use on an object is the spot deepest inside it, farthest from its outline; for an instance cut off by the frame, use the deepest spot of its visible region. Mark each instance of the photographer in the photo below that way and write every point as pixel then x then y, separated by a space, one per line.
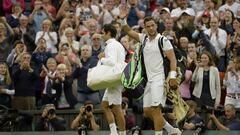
pixel 86 118
pixel 193 119
pixel 49 121
pixel 227 122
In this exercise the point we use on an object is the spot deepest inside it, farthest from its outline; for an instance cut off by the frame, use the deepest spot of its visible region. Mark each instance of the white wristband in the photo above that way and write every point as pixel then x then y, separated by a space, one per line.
pixel 123 22
pixel 172 74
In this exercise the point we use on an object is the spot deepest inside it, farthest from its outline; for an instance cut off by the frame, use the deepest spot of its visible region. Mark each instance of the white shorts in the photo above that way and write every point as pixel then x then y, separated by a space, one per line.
pixel 113 95
pixel 154 94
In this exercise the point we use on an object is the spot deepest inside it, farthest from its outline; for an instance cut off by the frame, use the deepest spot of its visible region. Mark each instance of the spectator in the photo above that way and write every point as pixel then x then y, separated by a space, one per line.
pixel 227 122
pixel 129 51
pixel 25 33
pixel 5 39
pixel 69 37
pixel 38 15
pixel 15 55
pixel 49 35
pixel 193 119
pixel 47 4
pixel 109 12
pixel 208 8
pixel 66 56
pixel 229 5
pixel 97 47
pixel 5 85
pixel 24 78
pixel 204 20
pixel 136 12
pixel 231 82
pixel 49 121
pixel 227 21
pixel 207 82
pixel 169 32
pixel 182 7
pixel 86 117
pixel 161 14
pixel 63 86
pixel 47 75
pixel 84 92
pixel 218 38
pixel 92 26
pixel 8 4
pixel 13 19
pixel 87 11
pixel 192 56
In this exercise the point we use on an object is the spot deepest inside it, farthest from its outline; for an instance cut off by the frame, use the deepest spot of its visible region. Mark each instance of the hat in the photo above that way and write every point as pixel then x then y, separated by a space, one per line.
pixel 206 14
pixel 166 9
pixel 188 12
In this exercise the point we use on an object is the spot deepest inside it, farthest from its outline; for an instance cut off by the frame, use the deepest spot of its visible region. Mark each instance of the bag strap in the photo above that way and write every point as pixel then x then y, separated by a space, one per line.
pixel 160 46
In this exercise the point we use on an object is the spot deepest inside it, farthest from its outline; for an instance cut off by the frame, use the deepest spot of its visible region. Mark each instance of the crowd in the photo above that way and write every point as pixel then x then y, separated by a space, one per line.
pixel 47 47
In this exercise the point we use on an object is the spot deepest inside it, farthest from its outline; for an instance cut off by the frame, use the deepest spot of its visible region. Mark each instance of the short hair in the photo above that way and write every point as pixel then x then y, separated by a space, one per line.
pixel 61 66
pixel 148 18
pixel 110 28
pixel 231 106
pixel 192 104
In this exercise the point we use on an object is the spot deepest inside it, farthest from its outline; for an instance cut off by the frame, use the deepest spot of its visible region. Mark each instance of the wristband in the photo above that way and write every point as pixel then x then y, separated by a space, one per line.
pixel 172 74
pixel 123 22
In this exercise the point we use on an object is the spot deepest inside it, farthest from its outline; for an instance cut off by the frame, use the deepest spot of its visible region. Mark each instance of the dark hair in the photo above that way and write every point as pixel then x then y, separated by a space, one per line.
pixel 211 61
pixel 110 28
pixel 148 18
pixel 115 23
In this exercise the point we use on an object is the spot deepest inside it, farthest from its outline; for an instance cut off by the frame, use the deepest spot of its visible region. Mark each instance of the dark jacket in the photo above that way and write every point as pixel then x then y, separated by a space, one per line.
pixel 81 75
pixel 58 124
pixel 24 81
pixel 67 89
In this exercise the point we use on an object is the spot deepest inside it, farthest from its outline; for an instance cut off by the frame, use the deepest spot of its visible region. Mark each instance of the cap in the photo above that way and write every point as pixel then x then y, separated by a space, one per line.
pixel 188 12
pixel 166 9
pixel 206 14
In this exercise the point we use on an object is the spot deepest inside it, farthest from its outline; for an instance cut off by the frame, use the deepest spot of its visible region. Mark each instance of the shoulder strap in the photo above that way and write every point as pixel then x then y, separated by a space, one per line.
pixel 160 46
pixel 143 45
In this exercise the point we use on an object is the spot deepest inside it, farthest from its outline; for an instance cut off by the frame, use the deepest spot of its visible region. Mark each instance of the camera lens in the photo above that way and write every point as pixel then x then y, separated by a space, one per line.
pixel 51 112
pixel 88 108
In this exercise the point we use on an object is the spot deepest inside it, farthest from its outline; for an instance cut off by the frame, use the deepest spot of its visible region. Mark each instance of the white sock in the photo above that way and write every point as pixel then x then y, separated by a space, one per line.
pixel 158 132
pixel 122 132
pixel 167 126
pixel 113 129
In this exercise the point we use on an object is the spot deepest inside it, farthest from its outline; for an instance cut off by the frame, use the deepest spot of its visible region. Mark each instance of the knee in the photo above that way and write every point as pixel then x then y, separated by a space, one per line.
pixel 104 105
pixel 147 112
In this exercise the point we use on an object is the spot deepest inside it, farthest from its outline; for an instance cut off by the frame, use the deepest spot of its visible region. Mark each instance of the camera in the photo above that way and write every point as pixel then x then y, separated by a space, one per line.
pixel 88 108
pixel 82 130
pixel 123 105
pixel 51 111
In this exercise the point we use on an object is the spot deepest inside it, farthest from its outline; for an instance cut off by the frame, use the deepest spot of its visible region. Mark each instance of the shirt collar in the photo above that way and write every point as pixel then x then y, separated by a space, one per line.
pixel 110 40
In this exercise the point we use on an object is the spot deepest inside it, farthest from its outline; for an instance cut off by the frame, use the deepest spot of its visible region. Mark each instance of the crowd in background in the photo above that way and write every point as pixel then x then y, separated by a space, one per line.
pixel 42 43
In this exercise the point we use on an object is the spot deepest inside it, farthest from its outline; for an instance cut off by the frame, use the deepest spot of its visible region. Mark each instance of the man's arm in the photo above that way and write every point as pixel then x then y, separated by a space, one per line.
pixel 219 125
pixel 123 14
pixel 171 56
pixel 94 125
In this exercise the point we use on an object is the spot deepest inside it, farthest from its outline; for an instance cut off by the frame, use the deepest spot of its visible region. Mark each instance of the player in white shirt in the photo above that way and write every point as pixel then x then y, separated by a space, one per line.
pixel 112 99
pixel 154 98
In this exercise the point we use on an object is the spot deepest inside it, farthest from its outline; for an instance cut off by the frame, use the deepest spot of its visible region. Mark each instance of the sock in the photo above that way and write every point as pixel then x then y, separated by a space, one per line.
pixel 113 128
pixel 122 132
pixel 167 126
pixel 158 132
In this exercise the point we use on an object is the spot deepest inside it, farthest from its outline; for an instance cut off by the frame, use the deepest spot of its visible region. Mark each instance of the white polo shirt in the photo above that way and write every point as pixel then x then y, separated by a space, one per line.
pixel 114 52
pixel 153 58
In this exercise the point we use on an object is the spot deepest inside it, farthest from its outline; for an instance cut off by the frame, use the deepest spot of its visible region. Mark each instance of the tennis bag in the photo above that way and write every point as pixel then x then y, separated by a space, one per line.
pixel 133 77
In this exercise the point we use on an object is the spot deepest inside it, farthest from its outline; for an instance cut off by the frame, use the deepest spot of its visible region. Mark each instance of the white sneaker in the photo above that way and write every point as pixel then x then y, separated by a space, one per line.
pixel 175 131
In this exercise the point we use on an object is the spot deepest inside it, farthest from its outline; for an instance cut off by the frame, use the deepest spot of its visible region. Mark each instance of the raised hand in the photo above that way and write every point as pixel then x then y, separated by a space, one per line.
pixel 124 10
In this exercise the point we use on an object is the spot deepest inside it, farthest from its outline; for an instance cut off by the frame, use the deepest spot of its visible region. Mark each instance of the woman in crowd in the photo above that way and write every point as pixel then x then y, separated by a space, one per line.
pixel 207 88
pixel 5 85
pixel 66 56
pixel 49 35
pixel 63 86
pixel 69 37
pixel 46 76
pixel 5 40
pixel 232 83
pixel 13 19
